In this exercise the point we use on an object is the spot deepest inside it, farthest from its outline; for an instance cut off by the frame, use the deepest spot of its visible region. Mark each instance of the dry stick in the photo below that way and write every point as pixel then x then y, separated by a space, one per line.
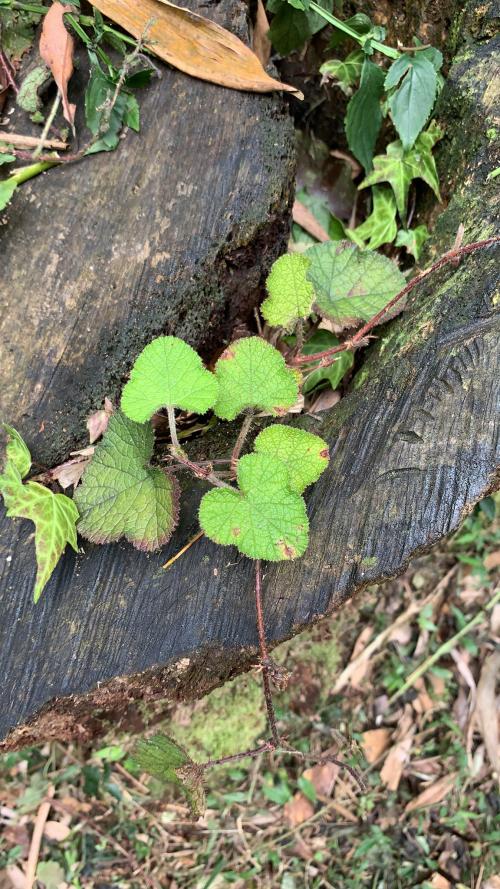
pixel 240 441
pixel 184 549
pixel 452 256
pixel 36 839
pixel 48 123
pixel 20 141
pixel 264 654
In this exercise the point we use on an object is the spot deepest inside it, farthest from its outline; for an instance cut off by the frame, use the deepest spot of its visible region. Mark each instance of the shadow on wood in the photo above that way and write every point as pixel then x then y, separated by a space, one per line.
pixel 414 445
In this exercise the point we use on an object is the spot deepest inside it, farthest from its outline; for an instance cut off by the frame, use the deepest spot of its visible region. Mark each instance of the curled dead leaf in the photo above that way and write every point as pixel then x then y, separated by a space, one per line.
pixel 193 44
pixel 433 794
pixel 298 809
pixel 97 423
pixel 375 742
pixel 56 49
pixel 486 708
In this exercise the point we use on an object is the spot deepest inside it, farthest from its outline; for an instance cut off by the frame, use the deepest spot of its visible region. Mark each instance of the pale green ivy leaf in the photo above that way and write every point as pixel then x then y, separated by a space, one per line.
pixel 345 72
pixel 121 495
pixel 291 295
pixel 168 373
pixel 380 226
pixel 351 283
pixel 15 451
pixel 264 519
pixel 7 189
pixel 364 114
pixel 304 454
pixel 399 167
pixel 413 239
pixel 252 374
pixel 165 759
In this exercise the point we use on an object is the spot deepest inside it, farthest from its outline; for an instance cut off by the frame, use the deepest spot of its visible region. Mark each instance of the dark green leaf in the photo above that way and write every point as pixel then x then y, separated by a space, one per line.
pixel 332 375
pixel 364 115
pixel 412 102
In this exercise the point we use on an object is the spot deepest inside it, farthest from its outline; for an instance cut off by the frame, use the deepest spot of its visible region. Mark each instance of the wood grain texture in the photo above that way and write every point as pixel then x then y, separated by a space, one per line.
pixel 414 446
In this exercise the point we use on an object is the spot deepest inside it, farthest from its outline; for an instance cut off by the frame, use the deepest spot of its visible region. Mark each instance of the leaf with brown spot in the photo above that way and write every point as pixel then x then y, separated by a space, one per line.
pixel 56 49
pixel 192 44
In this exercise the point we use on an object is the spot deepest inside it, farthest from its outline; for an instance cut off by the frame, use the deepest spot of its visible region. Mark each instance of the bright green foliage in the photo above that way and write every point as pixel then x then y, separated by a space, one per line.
pixel 352 283
pixel 318 206
pixel 291 295
pixel 413 100
pixel 16 451
pixel 399 167
pixel 346 72
pixel 7 189
pixel 305 455
pixel 364 114
pixel 54 515
pixel 163 758
pixel 322 376
pixel 252 374
pixel 168 372
pixel 121 495
pixel 7 159
pixel 413 239
pixel 380 226
pixel 264 519
pixel 99 95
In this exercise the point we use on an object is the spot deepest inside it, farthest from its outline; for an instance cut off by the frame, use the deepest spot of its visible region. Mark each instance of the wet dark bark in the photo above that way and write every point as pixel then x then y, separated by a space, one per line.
pixel 413 446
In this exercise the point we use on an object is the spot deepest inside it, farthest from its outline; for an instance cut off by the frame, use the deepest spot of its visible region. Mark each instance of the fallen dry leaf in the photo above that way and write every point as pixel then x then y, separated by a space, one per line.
pixel 492 882
pixel 261 44
pixel 440 882
pixel 298 809
pixel 433 794
pixel 192 44
pixel 97 423
pixel 322 777
pixel 303 217
pixel 56 831
pixel 325 400
pixel 363 668
pixel 395 761
pixel 70 472
pixel 486 711
pixel 492 560
pixel 17 877
pixel 375 742
pixel 56 50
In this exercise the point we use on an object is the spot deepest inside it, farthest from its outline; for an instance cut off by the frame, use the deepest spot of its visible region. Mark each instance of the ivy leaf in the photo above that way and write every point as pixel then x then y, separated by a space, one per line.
pixel 15 450
pixel 351 283
pixel 264 519
pixel 364 114
pixel 304 454
pixel 290 293
pixel 292 27
pixel 412 102
pixel 163 758
pixel 252 373
pixel 334 373
pixel 413 239
pixel 54 517
pixel 346 72
pixel 168 373
pixel 399 167
pixel 380 226
pixel 121 495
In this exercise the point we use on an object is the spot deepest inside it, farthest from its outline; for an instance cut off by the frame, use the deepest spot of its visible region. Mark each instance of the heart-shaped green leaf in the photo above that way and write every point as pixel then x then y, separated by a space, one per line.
pixel 121 495
pixel 264 519
pixel 304 454
pixel 352 283
pixel 290 293
pixel 252 373
pixel 168 373
pixel 163 758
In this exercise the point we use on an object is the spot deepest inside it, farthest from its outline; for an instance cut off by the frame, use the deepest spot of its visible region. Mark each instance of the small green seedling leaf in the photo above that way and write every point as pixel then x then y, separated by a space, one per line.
pixel 168 373
pixel 399 167
pixel 380 226
pixel 54 515
pixel 364 114
pixel 14 451
pixel 346 72
pixel 352 283
pixel 163 758
pixel 264 519
pixel 252 374
pixel 304 454
pixel 291 295
pixel 121 495
pixel 413 239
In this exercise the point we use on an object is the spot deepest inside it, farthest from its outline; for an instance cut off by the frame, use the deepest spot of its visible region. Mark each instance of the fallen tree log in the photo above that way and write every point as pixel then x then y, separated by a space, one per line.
pixel 414 446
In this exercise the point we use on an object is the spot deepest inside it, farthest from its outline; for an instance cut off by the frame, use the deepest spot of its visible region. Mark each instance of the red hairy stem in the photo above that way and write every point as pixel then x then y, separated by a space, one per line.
pixel 264 655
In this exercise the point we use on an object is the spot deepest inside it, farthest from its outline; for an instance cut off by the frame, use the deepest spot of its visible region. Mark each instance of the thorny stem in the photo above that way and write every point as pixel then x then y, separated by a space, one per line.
pixel 264 654
pixel 267 747
pixel 323 358
pixel 48 123
pixel 6 66
pixel 240 441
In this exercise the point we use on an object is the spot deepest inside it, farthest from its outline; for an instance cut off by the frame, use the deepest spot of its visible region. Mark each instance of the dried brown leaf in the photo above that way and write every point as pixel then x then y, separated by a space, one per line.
pixel 56 831
pixel 298 809
pixel 17 877
pixel 303 217
pixel 325 400
pixel 192 44
pixel 322 777
pixel 486 708
pixel 56 49
pixel 261 44
pixel 492 560
pixel 70 472
pixel 433 794
pixel 375 742
pixel 396 759
pixel 97 423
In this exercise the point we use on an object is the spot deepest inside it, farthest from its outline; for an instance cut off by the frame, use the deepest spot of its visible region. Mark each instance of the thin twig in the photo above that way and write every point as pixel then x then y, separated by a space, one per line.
pixel 36 839
pixel 48 123
pixel 323 358
pixel 20 141
pixel 184 549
